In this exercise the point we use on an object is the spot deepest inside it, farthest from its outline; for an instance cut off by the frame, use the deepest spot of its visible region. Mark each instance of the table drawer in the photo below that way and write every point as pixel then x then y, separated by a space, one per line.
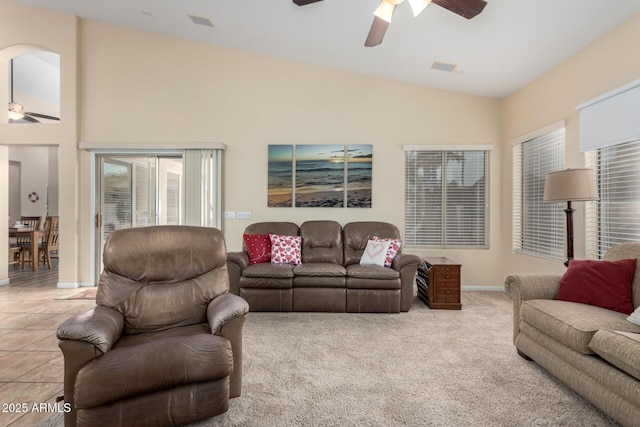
pixel 447 290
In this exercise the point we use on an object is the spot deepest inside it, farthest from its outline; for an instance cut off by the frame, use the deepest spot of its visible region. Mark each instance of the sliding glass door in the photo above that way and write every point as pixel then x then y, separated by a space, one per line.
pixel 136 191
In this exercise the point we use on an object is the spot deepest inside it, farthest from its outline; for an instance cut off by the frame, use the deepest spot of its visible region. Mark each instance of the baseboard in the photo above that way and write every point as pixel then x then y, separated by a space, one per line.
pixel 482 288
pixel 4 282
pixel 67 285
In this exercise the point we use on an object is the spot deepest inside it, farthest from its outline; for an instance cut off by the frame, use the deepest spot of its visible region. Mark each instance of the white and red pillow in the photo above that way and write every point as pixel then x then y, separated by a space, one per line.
pixel 394 248
pixel 286 249
pixel 258 247
pixel 375 253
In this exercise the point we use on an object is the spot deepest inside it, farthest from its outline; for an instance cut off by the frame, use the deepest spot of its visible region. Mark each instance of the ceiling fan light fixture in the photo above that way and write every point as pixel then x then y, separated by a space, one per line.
pixel 385 10
pixel 418 6
pixel 15 115
pixel 14 106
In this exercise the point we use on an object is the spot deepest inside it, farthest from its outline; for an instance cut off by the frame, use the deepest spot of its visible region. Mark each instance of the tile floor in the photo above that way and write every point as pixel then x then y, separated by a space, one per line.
pixel 31 364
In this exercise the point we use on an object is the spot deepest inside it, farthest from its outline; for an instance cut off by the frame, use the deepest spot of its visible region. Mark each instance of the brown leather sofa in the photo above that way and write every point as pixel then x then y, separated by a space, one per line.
pixel 330 277
pixel 163 346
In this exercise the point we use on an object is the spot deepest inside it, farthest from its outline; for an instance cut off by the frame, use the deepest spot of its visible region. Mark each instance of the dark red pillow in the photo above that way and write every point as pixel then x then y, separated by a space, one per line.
pixel 258 247
pixel 605 284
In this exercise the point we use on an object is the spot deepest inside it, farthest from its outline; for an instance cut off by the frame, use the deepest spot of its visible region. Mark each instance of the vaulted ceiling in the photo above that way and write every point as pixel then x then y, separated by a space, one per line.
pixel 509 44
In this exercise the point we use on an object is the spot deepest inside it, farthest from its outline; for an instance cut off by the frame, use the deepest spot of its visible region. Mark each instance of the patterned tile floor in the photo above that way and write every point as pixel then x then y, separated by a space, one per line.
pixel 31 364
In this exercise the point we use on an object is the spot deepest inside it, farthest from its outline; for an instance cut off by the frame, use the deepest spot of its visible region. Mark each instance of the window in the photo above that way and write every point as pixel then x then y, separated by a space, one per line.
pixel 538 228
pixel 446 198
pixel 615 218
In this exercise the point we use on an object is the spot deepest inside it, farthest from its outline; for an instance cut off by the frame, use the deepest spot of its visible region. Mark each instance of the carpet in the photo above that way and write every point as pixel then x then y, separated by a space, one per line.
pixel 422 368
pixel 86 294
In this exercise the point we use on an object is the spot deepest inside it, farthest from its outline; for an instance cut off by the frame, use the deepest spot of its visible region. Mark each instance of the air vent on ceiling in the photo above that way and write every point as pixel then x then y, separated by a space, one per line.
pixel 200 20
pixel 443 66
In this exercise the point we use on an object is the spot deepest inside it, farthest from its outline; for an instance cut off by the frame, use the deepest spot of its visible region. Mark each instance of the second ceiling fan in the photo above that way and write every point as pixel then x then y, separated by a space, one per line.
pixel 465 8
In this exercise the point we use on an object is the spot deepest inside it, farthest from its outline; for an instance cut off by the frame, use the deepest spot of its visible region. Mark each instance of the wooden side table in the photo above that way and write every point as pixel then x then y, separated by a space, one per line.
pixel 443 283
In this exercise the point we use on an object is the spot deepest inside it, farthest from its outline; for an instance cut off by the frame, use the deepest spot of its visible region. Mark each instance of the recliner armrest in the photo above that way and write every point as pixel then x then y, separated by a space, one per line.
pixel 100 326
pixel 224 309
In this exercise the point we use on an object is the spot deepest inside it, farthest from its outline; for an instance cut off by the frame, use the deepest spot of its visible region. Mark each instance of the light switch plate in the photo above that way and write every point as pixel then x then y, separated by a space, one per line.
pixel 244 215
pixel 229 215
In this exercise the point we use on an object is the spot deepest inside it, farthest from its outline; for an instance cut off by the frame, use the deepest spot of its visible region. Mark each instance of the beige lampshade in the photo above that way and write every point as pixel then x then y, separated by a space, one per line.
pixel 570 185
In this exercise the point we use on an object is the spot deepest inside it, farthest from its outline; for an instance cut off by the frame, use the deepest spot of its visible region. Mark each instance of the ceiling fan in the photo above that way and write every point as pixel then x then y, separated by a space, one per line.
pixel 16 110
pixel 465 8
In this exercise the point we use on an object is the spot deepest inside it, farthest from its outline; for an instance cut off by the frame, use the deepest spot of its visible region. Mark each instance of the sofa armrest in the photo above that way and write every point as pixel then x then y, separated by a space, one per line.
pixel 226 316
pixel 100 327
pixel 236 262
pixel 523 287
pixel 407 265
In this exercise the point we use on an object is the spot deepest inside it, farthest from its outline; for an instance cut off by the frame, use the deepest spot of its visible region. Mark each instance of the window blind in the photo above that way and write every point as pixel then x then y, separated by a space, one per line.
pixel 446 196
pixel 615 218
pixel 611 119
pixel 538 228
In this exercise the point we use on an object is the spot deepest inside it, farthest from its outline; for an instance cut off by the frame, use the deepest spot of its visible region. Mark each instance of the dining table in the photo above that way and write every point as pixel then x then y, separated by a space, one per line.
pixel 35 242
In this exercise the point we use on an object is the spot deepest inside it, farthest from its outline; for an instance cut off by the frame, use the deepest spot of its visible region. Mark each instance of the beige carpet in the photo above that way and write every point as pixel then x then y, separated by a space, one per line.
pixel 422 368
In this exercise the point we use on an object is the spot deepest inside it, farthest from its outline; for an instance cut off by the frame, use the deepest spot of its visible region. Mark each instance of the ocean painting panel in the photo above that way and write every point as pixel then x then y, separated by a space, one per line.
pixel 280 176
pixel 359 168
pixel 320 175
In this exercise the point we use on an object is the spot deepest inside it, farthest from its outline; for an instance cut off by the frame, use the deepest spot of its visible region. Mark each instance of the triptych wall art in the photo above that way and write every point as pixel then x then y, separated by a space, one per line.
pixel 320 175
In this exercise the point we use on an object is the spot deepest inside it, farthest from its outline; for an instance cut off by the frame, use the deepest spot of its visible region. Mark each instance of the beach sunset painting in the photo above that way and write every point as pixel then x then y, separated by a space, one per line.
pixel 320 175
pixel 280 176
pixel 359 162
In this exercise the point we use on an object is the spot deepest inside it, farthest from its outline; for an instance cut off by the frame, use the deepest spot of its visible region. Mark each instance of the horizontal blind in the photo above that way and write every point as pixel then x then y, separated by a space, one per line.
pixel 618 210
pixel 540 226
pixel 446 198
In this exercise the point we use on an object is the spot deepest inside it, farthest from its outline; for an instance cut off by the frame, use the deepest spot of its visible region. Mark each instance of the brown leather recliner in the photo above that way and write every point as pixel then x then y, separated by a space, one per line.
pixel 163 346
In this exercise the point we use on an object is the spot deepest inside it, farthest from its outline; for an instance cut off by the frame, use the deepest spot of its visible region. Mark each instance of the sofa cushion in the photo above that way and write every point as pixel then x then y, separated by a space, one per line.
pixel 605 284
pixel 323 269
pixel 286 249
pixel 268 270
pixel 355 236
pixel 372 272
pixel 571 323
pixel 621 349
pixel 258 247
pixel 322 242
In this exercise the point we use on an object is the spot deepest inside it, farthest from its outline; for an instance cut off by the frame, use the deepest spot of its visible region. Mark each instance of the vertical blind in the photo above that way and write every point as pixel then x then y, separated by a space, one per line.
pixel 203 187
pixel 538 228
pixel 446 198
pixel 615 218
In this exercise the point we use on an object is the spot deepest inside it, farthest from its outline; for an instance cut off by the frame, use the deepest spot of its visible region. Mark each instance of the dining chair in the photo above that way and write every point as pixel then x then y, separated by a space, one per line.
pixel 24 242
pixel 50 241
pixel 14 254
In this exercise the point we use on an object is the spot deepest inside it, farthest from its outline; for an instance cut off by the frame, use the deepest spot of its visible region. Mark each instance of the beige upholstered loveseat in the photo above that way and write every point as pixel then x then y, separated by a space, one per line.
pixel 330 277
pixel 595 351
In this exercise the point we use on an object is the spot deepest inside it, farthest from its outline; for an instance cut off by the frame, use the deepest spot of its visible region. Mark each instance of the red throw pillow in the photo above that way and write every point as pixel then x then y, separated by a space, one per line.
pixel 258 247
pixel 605 284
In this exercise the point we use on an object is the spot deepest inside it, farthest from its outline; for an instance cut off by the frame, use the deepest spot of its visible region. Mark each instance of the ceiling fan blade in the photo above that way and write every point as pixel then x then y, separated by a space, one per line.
pixel 465 8
pixel 42 116
pixel 30 119
pixel 376 33
pixel 305 2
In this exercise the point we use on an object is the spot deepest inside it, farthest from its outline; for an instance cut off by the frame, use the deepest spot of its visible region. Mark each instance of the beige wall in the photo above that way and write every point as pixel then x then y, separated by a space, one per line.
pixel 22 29
pixel 609 62
pixel 142 87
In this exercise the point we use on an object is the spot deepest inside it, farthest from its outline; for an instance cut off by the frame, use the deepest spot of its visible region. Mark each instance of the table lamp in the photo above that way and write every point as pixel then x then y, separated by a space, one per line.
pixel 570 185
